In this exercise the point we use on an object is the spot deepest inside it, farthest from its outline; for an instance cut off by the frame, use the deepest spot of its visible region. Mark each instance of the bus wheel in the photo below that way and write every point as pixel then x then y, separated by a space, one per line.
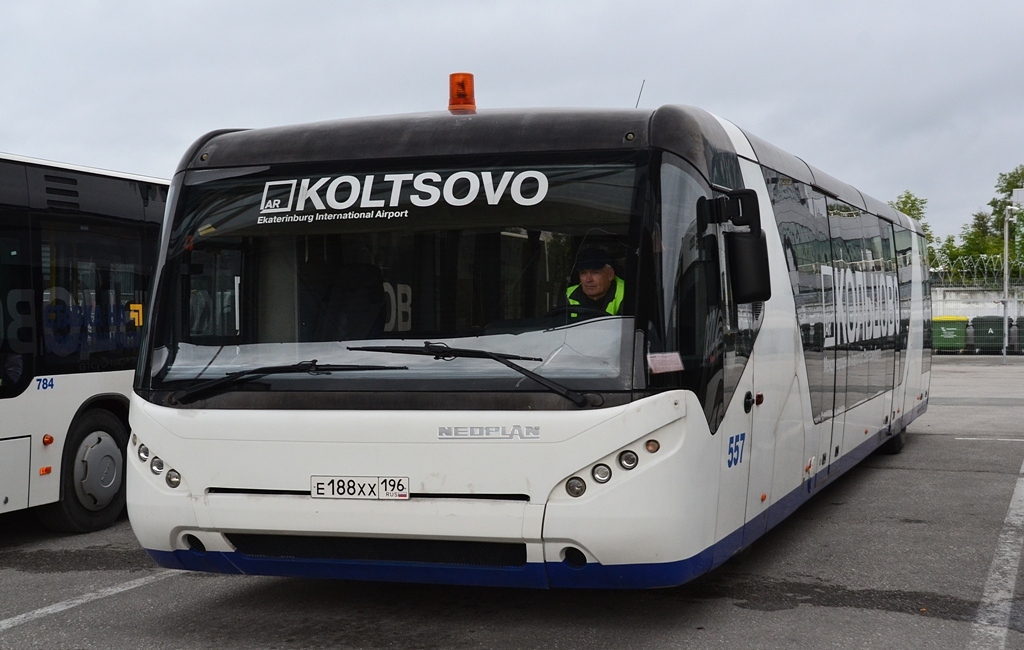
pixel 92 476
pixel 895 444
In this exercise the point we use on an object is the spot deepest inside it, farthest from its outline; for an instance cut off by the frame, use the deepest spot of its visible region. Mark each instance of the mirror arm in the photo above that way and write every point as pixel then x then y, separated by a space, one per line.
pixel 738 206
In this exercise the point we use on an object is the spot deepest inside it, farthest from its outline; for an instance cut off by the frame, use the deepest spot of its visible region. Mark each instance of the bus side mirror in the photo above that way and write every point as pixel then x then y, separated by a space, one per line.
pixel 748 266
pixel 747 251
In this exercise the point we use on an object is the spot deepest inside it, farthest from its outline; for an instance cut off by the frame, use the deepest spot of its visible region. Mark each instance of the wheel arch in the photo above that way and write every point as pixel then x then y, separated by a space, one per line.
pixel 114 403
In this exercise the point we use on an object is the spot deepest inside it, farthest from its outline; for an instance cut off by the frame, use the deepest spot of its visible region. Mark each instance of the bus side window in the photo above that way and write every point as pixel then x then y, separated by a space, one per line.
pixel 17 317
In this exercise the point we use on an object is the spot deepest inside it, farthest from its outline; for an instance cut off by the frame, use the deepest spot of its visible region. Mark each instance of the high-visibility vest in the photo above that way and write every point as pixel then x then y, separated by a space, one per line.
pixel 613 307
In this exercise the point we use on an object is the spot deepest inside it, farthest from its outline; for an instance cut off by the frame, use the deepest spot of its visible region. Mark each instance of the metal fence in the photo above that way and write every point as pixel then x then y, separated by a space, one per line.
pixel 975 271
pixel 967 305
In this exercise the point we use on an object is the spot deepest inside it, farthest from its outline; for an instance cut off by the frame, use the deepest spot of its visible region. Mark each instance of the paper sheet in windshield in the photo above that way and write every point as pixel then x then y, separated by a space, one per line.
pixel 660 362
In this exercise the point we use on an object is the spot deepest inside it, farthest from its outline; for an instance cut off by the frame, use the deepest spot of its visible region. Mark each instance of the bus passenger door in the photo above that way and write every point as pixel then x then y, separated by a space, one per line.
pixel 746 460
pixel 748 435
pixel 735 436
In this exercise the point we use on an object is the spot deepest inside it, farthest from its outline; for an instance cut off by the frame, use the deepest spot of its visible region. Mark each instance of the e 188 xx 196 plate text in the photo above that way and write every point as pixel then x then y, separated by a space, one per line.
pixel 359 487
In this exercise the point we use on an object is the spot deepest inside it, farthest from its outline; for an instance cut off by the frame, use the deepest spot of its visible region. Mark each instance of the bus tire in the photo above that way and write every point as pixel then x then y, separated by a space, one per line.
pixel 895 444
pixel 92 476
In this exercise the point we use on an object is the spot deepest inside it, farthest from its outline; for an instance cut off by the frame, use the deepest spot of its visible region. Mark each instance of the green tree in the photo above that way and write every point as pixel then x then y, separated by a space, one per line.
pixel 949 250
pixel 980 237
pixel 1005 185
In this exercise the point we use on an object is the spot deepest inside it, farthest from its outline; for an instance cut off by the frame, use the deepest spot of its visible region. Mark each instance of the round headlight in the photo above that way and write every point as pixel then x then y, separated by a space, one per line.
pixel 143 453
pixel 173 478
pixel 575 486
pixel 156 465
pixel 628 459
pixel 601 473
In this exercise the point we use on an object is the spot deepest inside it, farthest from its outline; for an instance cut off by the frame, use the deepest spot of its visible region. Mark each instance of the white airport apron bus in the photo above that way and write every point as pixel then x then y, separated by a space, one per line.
pixel 360 363
pixel 76 253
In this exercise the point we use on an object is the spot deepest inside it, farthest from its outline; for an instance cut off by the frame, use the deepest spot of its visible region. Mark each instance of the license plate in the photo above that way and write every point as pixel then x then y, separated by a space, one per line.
pixel 359 487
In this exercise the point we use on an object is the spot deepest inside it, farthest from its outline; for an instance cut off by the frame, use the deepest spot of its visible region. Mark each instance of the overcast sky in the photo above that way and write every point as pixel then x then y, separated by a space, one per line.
pixel 887 95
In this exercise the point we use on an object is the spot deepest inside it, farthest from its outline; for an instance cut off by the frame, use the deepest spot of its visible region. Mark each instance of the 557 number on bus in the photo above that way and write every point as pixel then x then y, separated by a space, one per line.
pixel 359 487
pixel 736 449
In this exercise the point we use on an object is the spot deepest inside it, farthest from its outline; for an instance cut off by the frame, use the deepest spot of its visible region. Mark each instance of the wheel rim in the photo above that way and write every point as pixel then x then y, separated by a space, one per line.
pixel 98 465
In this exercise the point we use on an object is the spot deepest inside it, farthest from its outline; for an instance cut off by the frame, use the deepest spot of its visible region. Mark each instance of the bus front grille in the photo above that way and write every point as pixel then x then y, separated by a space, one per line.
pixel 374 549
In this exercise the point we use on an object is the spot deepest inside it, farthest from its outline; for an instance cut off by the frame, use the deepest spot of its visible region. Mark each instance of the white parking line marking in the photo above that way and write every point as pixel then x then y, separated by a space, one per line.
pixel 14 621
pixel 993 439
pixel 993 618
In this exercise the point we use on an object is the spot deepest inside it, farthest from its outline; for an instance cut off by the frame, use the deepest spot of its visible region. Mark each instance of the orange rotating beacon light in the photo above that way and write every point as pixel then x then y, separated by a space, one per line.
pixel 461 98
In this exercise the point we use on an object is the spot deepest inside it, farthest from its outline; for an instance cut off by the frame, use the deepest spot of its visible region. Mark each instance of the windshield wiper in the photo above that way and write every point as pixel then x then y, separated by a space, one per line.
pixel 442 351
pixel 241 376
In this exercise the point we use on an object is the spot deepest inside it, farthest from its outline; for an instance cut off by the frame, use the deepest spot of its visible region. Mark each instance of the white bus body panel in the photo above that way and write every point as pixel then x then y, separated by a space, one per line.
pixel 51 410
pixel 14 464
pixel 918 380
pixel 787 450
pixel 212 498
pixel 774 362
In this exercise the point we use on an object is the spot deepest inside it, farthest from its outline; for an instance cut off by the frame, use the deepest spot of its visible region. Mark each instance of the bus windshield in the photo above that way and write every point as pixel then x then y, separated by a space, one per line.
pixel 348 268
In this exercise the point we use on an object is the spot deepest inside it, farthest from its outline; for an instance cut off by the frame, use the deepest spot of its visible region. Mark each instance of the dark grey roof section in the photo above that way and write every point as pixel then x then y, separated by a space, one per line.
pixel 888 212
pixel 698 137
pixel 41 185
pixel 781 161
pixel 853 196
pixel 772 157
pixel 15 158
pixel 426 134
pixel 837 188
pixel 13 184
pixel 689 132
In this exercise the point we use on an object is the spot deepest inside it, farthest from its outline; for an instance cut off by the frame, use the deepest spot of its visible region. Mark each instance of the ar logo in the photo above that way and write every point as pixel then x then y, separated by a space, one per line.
pixel 277 196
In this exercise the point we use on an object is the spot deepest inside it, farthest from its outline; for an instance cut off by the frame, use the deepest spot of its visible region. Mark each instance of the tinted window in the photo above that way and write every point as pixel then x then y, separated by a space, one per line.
pixel 803 226
pixel 17 309
pixel 687 322
pixel 92 288
pixel 288 265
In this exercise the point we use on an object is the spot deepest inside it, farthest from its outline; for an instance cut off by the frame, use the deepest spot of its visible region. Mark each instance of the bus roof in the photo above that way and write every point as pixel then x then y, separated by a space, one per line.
pixel 781 161
pixel 692 133
pixel 79 168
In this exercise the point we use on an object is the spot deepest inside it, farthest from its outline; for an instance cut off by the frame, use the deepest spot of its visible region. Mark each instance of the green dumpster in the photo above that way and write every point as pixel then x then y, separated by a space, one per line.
pixel 988 333
pixel 949 333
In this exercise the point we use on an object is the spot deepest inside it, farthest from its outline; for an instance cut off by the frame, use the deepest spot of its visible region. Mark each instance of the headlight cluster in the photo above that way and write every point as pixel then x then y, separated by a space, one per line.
pixel 627 459
pixel 156 464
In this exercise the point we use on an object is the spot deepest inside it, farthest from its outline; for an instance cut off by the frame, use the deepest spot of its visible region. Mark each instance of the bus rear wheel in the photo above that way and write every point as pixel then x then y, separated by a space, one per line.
pixel 92 476
pixel 895 444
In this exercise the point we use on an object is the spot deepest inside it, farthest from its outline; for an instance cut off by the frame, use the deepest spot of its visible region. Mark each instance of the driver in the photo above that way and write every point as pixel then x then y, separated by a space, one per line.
pixel 598 289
